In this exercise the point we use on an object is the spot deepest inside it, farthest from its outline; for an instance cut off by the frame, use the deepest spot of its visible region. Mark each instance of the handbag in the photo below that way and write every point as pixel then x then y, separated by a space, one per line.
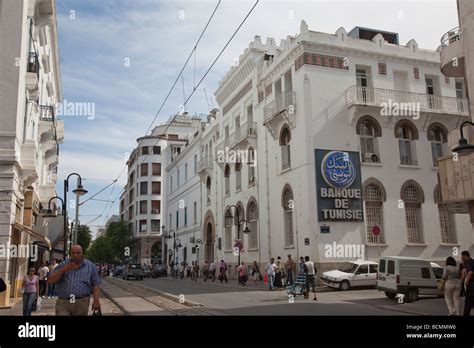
pixel 442 285
pixel 97 312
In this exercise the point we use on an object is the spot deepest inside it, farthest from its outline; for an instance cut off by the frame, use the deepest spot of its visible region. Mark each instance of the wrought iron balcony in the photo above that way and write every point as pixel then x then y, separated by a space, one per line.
pixel 33 65
pixel 284 102
pixel 245 131
pixel 46 113
pixel 378 97
pixel 204 163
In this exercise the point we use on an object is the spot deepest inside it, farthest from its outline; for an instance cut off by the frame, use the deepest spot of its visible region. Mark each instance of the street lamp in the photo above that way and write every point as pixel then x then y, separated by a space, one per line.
pixel 78 191
pixel 229 218
pixel 464 147
pixel 49 214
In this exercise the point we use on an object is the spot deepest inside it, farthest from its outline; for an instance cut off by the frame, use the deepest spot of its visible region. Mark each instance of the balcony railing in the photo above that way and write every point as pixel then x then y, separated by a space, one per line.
pixel 406 101
pixel 33 64
pixel 46 113
pixel 285 101
pixel 249 129
pixel 204 163
pixel 451 36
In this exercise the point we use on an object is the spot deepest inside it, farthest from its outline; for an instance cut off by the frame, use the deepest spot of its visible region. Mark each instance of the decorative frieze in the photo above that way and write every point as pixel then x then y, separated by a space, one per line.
pixel 320 60
pixel 237 97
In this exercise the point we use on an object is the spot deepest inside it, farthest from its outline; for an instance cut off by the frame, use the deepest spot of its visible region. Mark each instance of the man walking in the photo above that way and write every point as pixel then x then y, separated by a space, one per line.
pixel 205 271
pixel 270 268
pixel 310 271
pixel 242 274
pixel 52 287
pixel 43 279
pixel 212 270
pixel 289 267
pixel 468 282
pixel 76 279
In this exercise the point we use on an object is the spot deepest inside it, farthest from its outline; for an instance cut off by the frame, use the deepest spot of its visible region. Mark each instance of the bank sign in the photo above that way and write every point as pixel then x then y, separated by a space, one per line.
pixel 339 185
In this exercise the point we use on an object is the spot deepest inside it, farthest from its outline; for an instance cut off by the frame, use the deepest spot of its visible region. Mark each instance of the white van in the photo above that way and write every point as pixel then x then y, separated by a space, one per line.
pixel 409 276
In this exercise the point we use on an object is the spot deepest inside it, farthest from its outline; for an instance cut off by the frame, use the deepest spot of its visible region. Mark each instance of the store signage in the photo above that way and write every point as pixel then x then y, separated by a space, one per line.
pixel 339 187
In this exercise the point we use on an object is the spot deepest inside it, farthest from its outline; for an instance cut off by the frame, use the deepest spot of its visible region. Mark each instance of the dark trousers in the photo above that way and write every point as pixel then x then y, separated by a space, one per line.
pixel 289 277
pixel 43 287
pixel 28 299
pixel 468 301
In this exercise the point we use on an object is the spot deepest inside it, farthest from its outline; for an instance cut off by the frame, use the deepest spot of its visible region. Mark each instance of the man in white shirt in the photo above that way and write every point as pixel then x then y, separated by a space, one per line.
pixel 212 271
pixel 270 269
pixel 43 279
pixel 310 271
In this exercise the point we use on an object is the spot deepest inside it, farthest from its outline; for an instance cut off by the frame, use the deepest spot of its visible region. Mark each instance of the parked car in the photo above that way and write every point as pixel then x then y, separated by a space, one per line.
pixel 147 271
pixel 159 270
pixel 118 271
pixel 409 276
pixel 353 274
pixel 133 270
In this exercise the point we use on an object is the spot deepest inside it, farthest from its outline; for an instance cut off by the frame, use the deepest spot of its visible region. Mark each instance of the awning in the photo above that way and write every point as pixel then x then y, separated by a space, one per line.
pixel 35 235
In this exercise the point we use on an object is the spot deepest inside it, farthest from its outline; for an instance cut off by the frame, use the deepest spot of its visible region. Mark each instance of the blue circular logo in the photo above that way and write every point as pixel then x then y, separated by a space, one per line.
pixel 337 169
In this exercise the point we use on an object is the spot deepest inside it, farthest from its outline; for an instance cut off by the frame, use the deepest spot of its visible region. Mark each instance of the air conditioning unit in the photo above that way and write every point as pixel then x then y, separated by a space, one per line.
pixel 370 157
pixel 155 211
pixel 251 131
pixel 143 228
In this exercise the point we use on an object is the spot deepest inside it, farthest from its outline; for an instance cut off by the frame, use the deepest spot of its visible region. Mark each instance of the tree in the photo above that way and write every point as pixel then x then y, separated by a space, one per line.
pixel 111 246
pixel 84 237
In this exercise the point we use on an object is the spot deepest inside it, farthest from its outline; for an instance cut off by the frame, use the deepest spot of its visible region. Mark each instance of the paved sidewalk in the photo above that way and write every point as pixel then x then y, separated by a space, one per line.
pixel 48 308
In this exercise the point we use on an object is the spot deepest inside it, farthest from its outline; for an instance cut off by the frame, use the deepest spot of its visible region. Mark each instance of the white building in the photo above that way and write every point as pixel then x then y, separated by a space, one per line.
pixel 30 134
pixel 141 202
pixel 384 106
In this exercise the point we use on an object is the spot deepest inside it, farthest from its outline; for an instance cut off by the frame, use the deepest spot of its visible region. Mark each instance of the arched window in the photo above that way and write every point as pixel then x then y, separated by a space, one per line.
pixel 446 220
pixel 208 189
pixel 412 197
pixel 228 232
pixel 438 136
pixel 407 134
pixel 227 179
pixel 251 164
pixel 252 216
pixel 373 201
pixel 369 131
pixel 285 138
pixel 238 177
pixel 288 205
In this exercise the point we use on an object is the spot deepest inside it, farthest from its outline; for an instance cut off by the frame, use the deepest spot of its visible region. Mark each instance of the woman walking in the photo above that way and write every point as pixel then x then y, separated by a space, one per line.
pixel 255 272
pixel 279 275
pixel 30 291
pixel 452 290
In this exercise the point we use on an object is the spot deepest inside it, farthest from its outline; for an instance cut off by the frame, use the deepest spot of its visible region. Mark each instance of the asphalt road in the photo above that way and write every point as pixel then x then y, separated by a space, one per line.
pixel 231 299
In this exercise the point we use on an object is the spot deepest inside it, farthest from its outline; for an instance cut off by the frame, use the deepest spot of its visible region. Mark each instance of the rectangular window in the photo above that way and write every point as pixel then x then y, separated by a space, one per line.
pixel 195 212
pixel 143 226
pixel 414 223
pixel 145 150
pixel 156 150
pixel 156 188
pixel 185 172
pixel 144 188
pixel 171 183
pixel 425 273
pixel 391 267
pixel 156 169
pixel 155 207
pixel 185 216
pixel 155 225
pixel 382 266
pixel 177 219
pixel 195 163
pixel 144 169
pixel 143 207
pixel 177 180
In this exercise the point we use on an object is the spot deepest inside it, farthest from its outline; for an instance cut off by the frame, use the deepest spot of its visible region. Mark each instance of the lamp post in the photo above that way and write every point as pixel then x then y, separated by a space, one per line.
pixel 464 147
pixel 50 214
pixel 78 191
pixel 168 235
pixel 229 217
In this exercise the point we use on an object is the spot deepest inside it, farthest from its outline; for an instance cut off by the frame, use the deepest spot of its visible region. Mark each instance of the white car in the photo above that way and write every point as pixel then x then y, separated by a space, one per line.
pixel 353 274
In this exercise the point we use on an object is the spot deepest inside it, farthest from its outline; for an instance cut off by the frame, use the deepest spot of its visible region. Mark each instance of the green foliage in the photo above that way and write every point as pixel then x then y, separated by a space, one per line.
pixel 84 237
pixel 110 247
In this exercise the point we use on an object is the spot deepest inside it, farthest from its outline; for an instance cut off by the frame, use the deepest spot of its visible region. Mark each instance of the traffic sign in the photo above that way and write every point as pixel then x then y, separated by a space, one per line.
pixel 376 230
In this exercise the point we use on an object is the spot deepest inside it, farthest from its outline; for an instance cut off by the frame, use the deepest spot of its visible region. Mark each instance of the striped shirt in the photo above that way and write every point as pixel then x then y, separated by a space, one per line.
pixel 78 282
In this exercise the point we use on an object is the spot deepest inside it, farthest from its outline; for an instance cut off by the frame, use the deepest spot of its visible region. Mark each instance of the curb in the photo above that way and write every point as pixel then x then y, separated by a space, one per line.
pixel 168 296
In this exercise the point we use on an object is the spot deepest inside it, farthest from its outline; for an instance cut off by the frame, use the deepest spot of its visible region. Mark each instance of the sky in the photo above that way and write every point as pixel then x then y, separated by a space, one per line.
pixel 121 57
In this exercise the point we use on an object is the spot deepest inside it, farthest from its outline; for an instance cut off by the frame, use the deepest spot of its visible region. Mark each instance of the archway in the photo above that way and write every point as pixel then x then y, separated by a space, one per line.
pixel 209 237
